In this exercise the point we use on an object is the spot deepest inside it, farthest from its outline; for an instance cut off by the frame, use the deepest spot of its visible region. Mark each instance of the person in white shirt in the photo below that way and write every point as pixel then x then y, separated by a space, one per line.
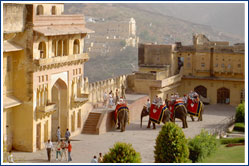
pixel 94 160
pixel 148 105
pixel 185 98
pixel 58 134
pixel 156 100
pixel 49 147
pixel 105 99
pixel 110 100
pixel 160 102
pixel 10 157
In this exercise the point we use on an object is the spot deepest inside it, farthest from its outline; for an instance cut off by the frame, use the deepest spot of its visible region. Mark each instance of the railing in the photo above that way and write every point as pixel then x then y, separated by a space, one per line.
pixel 61 59
pixel 58 19
pixel 47 108
pixel 223 126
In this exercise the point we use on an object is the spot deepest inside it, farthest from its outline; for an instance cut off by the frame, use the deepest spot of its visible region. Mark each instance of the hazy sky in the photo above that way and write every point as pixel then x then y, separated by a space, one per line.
pixel 229 17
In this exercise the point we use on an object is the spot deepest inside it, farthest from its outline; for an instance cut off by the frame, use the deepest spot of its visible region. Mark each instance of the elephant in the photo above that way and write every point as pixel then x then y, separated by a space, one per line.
pixel 122 119
pixel 166 117
pixel 201 112
pixel 181 113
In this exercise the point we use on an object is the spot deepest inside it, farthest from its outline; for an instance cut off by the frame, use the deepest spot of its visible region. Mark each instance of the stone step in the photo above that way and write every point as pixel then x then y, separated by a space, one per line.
pixel 90 132
pixel 91 123
pixel 90 128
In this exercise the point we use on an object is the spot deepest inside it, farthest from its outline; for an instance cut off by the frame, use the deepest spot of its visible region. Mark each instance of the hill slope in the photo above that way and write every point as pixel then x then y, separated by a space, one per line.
pixel 152 26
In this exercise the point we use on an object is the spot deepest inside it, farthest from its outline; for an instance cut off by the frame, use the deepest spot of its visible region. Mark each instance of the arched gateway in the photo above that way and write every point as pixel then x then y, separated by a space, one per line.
pixel 59 97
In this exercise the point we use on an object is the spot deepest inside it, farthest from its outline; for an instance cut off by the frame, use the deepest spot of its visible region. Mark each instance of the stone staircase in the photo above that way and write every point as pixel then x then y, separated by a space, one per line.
pixel 91 123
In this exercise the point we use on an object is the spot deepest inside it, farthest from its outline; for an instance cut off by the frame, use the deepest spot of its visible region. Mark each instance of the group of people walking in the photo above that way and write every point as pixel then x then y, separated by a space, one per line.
pixel 62 148
pixel 109 98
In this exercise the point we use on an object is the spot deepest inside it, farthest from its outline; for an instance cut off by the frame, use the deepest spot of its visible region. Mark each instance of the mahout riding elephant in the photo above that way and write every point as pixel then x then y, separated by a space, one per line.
pixel 180 112
pixel 122 118
pixel 166 117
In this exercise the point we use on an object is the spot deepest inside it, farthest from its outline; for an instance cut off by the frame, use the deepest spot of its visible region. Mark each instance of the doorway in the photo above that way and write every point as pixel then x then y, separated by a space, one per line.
pixel 59 118
pixel 223 96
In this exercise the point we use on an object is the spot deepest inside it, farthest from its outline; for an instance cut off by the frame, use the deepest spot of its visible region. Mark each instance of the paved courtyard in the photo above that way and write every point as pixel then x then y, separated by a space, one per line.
pixel 143 140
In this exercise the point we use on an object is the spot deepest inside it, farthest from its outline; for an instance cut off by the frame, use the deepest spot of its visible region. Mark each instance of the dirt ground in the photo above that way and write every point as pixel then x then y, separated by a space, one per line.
pixel 142 139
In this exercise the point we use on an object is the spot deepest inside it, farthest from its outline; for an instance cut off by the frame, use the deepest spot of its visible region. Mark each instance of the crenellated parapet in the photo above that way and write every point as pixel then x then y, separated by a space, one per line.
pixel 97 89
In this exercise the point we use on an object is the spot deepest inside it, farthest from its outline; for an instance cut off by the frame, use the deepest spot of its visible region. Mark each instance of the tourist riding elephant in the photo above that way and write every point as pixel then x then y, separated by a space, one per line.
pixel 122 118
pixel 180 112
pixel 166 117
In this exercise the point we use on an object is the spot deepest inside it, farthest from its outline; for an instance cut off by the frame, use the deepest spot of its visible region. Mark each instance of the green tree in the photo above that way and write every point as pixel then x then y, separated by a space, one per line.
pixel 240 113
pixel 122 153
pixel 171 145
pixel 201 146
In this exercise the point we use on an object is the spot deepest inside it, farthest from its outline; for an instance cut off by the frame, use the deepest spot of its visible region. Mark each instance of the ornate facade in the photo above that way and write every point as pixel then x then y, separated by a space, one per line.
pixel 43 74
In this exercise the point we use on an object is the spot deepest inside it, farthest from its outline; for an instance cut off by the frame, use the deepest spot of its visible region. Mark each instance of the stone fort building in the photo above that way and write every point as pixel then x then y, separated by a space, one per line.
pixel 43 74
pixel 214 69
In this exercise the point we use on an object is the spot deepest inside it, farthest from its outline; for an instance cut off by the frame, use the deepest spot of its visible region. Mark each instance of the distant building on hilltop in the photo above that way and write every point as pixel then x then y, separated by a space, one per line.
pixel 118 34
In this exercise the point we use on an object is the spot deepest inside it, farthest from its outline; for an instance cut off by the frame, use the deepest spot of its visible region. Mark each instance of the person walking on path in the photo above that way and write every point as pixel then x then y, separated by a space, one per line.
pixel 58 134
pixel 100 159
pixel 117 97
pixel 67 135
pixel 123 91
pixel 63 150
pixel 49 147
pixel 69 150
pixel 105 99
pixel 94 160
pixel 58 150
pixel 110 99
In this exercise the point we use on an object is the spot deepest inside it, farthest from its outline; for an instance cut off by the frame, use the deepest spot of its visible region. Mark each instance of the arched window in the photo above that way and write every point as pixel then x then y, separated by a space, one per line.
pixel 65 47
pixel 54 50
pixel 53 10
pixel 76 46
pixel 42 49
pixel 60 48
pixel 39 10
pixel 201 90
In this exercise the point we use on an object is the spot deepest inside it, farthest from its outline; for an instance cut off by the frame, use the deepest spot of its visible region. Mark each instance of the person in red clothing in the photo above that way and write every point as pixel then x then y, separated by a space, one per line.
pixel 69 150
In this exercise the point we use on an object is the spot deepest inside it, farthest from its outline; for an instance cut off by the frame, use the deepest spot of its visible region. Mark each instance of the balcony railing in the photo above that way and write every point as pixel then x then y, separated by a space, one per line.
pixel 42 20
pixel 47 110
pixel 80 100
pixel 61 59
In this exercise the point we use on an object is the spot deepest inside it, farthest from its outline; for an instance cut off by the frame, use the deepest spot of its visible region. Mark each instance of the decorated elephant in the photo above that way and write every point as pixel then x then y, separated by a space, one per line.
pixel 180 112
pixel 165 117
pixel 121 116
pixel 195 108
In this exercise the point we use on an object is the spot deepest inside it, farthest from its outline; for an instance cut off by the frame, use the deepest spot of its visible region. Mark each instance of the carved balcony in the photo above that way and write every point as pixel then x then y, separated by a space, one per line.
pixel 61 59
pixel 80 100
pixel 46 110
